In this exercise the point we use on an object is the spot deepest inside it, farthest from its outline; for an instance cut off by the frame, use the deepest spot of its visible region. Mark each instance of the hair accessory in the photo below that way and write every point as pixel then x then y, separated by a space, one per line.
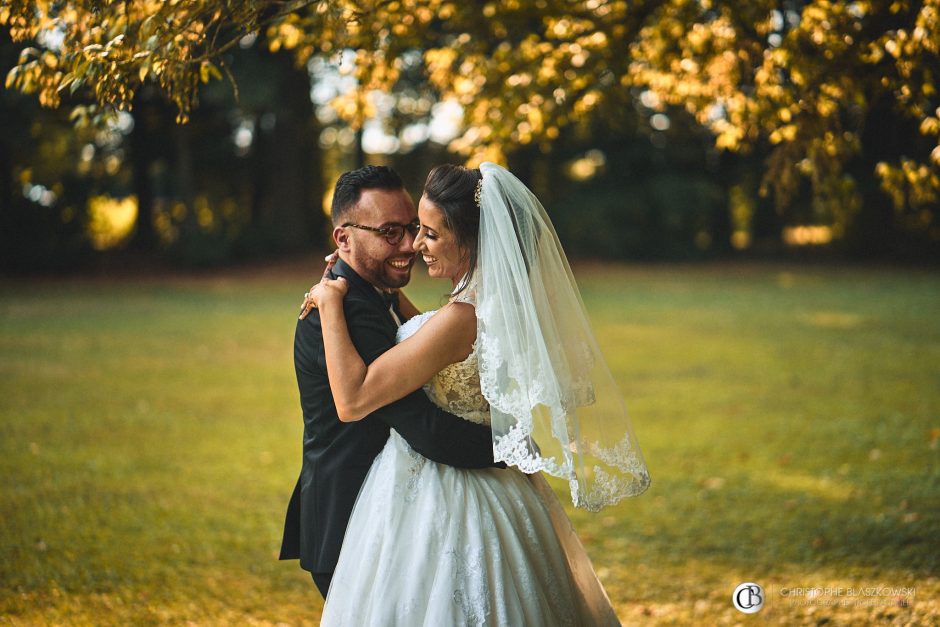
pixel 478 192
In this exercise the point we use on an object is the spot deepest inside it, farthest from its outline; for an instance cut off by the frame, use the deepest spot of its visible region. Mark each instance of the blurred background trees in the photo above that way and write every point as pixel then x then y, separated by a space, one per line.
pixel 207 132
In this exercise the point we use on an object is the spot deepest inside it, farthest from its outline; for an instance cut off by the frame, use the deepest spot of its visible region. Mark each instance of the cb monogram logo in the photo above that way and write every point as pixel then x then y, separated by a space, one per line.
pixel 748 597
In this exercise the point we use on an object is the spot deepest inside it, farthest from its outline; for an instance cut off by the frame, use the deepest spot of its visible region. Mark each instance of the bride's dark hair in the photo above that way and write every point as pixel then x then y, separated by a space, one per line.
pixel 452 188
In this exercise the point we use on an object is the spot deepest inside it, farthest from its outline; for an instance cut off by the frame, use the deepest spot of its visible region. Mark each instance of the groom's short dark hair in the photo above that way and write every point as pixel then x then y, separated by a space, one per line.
pixel 350 185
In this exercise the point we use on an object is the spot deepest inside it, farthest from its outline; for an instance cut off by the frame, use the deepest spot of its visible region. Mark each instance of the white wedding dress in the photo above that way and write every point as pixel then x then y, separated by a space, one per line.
pixel 428 544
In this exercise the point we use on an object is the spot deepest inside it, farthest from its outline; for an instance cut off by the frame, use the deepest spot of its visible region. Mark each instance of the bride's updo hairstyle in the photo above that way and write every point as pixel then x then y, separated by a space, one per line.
pixel 452 189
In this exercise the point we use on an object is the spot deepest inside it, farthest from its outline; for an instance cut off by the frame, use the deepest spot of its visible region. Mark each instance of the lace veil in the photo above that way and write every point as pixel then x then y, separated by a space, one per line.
pixel 553 401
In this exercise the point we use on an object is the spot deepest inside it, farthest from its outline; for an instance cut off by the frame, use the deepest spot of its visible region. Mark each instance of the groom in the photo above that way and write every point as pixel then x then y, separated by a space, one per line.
pixel 374 225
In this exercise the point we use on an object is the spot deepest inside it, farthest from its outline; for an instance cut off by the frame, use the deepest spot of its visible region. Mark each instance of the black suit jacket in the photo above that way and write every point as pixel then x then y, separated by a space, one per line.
pixel 337 455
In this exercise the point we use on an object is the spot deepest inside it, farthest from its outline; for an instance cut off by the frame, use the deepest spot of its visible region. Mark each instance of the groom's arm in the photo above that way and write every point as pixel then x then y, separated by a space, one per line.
pixel 434 433
pixel 438 435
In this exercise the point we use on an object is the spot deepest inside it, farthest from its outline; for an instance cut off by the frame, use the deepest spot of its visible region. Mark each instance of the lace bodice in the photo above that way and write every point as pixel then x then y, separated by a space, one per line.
pixel 456 388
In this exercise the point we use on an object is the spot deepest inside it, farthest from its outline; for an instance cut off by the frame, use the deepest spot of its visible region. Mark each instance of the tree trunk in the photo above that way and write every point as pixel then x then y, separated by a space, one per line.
pixel 144 151
pixel 886 137
pixel 286 207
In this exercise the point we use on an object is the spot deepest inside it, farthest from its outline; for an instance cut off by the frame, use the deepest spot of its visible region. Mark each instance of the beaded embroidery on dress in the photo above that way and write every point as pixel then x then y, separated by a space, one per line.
pixel 456 388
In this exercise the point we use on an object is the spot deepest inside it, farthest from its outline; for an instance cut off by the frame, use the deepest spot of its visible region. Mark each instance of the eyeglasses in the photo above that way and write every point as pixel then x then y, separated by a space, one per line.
pixel 393 233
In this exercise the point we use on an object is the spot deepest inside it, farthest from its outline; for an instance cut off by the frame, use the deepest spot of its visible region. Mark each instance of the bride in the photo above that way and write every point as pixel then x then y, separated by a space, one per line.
pixel 429 544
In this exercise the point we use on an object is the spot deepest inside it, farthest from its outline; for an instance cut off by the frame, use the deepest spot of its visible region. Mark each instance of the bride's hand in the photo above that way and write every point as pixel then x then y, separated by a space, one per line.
pixel 329 291
pixel 308 303
pixel 323 294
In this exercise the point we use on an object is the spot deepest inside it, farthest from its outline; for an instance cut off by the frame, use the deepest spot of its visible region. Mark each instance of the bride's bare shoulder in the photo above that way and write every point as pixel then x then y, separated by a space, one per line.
pixel 454 324
pixel 458 314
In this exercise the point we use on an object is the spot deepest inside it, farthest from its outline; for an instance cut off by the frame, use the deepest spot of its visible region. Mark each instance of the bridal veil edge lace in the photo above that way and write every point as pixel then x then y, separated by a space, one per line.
pixel 554 404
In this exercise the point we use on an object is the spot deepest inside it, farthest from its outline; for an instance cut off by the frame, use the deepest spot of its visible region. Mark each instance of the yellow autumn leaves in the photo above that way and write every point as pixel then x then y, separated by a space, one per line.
pixel 803 82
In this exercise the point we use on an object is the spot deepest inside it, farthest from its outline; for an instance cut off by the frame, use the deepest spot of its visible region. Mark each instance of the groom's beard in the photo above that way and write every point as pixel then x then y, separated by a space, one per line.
pixel 381 273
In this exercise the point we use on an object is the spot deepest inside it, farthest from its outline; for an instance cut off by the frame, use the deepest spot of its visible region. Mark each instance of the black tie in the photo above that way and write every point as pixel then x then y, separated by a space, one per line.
pixel 391 301
pixel 390 298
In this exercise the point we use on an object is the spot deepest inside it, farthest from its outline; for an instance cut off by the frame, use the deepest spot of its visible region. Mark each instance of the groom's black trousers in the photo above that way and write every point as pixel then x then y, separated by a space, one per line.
pixel 322 581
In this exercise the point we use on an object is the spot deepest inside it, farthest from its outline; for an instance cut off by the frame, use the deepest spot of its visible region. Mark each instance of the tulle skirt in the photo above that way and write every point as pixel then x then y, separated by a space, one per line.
pixel 431 545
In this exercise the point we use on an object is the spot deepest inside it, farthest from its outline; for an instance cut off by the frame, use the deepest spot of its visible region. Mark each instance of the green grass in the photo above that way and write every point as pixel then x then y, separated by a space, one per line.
pixel 151 438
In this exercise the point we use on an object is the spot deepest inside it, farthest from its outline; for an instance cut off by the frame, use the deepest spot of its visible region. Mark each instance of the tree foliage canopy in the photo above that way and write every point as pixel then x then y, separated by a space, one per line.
pixel 809 82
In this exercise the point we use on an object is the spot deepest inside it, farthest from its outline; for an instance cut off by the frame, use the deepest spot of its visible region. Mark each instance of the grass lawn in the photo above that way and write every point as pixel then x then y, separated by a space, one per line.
pixel 790 416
